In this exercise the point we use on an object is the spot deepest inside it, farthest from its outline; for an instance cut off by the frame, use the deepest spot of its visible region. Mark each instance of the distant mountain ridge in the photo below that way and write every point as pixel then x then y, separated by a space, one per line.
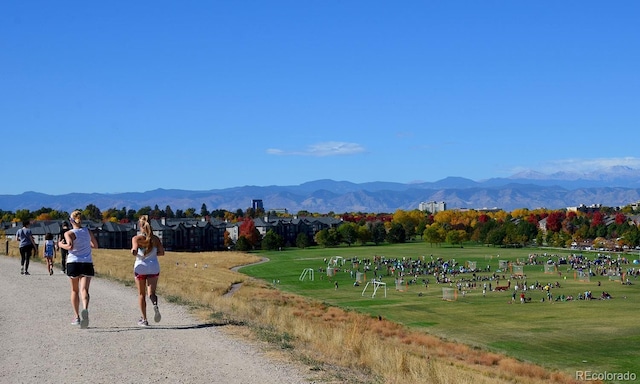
pixel 615 186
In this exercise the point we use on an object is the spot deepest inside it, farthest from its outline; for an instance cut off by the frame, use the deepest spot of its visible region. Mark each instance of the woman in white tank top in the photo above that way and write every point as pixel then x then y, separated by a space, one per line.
pixel 79 242
pixel 146 247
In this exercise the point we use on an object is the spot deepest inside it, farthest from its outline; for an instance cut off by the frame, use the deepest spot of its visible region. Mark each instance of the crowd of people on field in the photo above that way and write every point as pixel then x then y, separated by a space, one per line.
pixel 426 269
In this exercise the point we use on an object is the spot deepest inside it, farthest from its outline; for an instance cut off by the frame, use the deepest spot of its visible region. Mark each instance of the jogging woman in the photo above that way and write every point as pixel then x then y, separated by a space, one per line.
pixel 79 241
pixel 146 247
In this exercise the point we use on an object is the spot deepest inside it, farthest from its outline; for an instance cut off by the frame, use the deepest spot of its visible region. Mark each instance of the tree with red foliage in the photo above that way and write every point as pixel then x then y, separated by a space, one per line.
pixel 597 219
pixel 248 231
pixel 554 221
pixel 483 218
pixel 533 219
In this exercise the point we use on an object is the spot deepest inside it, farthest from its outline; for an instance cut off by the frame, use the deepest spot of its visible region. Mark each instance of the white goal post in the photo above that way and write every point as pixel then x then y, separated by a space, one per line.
pixel 376 285
pixel 306 273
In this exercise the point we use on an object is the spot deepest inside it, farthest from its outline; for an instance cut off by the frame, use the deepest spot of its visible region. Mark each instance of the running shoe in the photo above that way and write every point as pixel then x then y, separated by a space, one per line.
pixel 156 316
pixel 76 321
pixel 26 273
pixel 84 319
pixel 22 270
pixel 50 272
pixel 143 323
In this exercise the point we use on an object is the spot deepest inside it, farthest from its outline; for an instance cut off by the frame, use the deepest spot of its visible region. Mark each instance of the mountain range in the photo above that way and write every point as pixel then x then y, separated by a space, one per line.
pixel 612 187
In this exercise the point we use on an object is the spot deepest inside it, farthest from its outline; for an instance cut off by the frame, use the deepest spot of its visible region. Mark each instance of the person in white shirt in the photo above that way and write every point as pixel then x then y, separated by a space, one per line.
pixel 79 241
pixel 146 247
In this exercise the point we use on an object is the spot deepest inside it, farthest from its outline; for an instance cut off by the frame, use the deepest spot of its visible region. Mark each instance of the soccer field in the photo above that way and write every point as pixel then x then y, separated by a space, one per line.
pixel 571 335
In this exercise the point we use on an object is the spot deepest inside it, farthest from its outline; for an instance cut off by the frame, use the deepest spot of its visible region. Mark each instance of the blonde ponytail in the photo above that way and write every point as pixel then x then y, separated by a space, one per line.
pixel 76 217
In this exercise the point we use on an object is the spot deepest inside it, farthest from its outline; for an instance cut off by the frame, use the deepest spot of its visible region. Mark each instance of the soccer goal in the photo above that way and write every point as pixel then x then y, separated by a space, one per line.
pixel 400 285
pixel 331 272
pixel 307 273
pixel 550 268
pixel 582 276
pixel 449 294
pixel 376 286
pixel 361 277
pixel 518 270
pixel 472 265
pixel 336 261
pixel 503 264
pixel 614 276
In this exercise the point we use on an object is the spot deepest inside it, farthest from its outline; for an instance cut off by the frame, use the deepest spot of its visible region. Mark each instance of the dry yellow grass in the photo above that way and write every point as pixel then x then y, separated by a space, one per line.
pixel 373 350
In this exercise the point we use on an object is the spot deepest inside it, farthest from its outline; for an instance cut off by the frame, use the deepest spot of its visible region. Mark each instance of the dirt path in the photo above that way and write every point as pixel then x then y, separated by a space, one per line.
pixel 39 345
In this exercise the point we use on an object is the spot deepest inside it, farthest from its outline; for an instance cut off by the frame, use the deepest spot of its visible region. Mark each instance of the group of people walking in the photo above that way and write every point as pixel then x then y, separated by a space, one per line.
pixel 76 244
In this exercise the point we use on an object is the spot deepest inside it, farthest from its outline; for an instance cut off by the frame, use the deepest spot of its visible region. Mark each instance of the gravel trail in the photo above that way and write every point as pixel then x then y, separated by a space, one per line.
pixel 39 345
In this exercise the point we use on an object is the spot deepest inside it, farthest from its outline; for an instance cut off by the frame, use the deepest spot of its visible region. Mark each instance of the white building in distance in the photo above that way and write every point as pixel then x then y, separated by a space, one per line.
pixel 432 206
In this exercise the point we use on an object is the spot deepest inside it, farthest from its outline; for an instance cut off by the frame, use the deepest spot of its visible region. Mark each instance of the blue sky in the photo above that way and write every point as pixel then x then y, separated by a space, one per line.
pixel 132 96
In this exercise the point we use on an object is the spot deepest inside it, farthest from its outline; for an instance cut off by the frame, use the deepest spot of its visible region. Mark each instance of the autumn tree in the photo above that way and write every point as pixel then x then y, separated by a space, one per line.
pixel 434 234
pixel 554 221
pixel 456 236
pixel 409 221
pixel 228 242
pixel 43 217
pixel 249 231
pixel 230 217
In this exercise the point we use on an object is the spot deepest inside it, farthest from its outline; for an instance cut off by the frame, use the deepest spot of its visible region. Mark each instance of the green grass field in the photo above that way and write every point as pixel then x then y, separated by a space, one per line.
pixel 579 335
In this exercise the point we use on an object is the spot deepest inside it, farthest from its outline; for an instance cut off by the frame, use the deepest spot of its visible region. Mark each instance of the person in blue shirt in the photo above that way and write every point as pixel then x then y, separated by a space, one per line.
pixel 49 251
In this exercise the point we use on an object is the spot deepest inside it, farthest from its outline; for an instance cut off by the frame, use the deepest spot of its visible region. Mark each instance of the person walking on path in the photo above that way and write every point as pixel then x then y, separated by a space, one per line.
pixel 146 247
pixel 48 251
pixel 79 241
pixel 63 252
pixel 27 246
